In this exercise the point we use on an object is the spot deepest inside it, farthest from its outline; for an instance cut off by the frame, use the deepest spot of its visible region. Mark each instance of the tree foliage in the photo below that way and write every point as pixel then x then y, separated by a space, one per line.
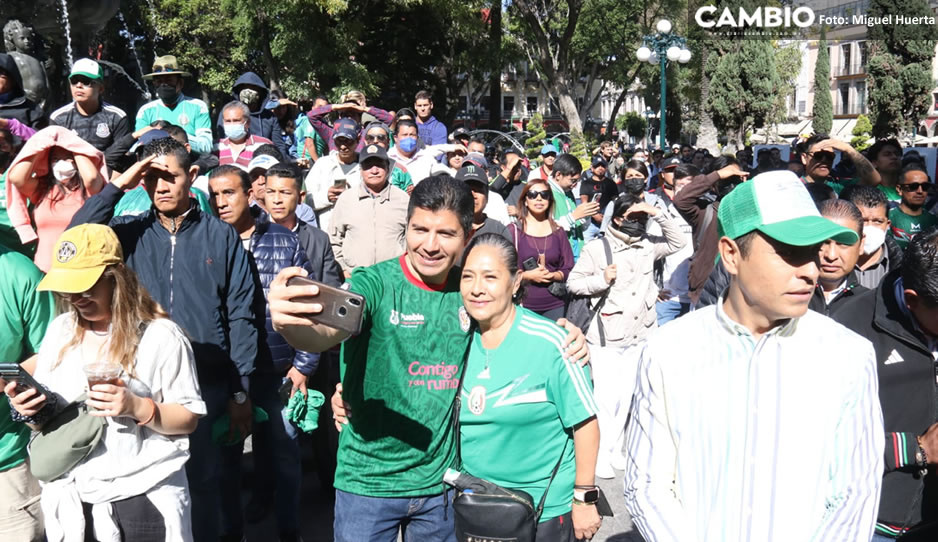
pixel 823 109
pixel 862 132
pixel 633 124
pixel 533 144
pixel 899 68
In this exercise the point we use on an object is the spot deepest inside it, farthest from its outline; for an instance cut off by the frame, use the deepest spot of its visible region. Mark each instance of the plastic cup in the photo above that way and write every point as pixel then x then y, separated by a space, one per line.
pixel 102 373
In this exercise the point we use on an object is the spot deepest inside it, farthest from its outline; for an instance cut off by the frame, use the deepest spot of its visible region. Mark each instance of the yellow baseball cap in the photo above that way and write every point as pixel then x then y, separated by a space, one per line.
pixel 82 254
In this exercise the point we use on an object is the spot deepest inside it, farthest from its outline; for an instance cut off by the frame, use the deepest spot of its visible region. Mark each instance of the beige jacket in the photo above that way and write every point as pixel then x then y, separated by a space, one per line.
pixel 628 314
pixel 366 228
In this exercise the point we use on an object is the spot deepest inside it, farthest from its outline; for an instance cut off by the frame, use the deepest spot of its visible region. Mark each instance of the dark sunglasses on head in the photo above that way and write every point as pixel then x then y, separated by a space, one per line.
pixel 915 187
pixel 86 81
pixel 534 194
pixel 821 155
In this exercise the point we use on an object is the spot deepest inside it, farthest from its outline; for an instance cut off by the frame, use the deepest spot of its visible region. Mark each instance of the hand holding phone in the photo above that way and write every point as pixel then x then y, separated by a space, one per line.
pixel 341 309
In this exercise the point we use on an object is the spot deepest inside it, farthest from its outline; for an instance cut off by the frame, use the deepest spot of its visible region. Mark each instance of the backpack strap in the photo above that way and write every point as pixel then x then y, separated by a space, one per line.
pixel 602 300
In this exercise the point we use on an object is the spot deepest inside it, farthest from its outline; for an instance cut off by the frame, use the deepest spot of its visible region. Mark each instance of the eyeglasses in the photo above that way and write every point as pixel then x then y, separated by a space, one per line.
pixel 382 138
pixel 821 155
pixel 915 187
pixel 534 194
pixel 160 68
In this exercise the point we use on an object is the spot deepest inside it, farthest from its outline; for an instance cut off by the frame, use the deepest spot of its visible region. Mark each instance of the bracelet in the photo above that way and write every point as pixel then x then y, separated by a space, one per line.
pixel 923 460
pixel 581 503
pixel 586 486
pixel 152 413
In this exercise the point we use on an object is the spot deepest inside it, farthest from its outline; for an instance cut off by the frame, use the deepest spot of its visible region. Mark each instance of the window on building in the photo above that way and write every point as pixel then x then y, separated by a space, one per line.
pixel 508 106
pixel 861 98
pixel 553 108
pixel 532 104
pixel 864 56
pixel 844 99
pixel 802 106
pixel 845 58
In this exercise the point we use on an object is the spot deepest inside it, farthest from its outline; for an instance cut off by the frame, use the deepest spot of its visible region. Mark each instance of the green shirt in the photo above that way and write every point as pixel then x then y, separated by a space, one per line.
pixel 189 113
pixel 24 316
pixel 891 193
pixel 303 131
pixel 400 375
pixel 520 403
pixel 401 178
pixel 137 201
pixel 904 227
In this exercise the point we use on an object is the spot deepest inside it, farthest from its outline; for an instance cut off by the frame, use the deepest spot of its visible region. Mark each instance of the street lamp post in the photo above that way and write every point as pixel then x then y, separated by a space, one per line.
pixel 648 116
pixel 658 48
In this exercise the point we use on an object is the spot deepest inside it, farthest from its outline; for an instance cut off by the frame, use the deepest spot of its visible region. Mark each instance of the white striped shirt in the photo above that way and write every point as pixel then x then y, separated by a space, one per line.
pixel 737 439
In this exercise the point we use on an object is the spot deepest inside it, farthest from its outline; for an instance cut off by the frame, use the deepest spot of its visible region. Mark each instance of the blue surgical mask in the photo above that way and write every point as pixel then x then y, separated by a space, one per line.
pixel 234 131
pixel 407 144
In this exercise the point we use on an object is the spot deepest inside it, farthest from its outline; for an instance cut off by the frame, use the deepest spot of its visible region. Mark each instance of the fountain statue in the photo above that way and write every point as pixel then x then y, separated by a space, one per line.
pixel 20 43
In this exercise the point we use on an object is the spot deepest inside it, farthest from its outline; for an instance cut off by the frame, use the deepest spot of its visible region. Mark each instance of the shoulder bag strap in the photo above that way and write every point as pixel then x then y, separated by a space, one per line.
pixel 540 505
pixel 708 219
pixel 457 402
pixel 602 300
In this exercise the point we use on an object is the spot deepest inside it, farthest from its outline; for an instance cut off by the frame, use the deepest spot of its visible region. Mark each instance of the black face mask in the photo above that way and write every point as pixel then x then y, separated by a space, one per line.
pixel 167 93
pixel 725 186
pixel 632 228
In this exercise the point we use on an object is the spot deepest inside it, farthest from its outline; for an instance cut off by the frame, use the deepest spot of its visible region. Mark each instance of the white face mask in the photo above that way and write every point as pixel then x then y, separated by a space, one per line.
pixel 63 170
pixel 873 239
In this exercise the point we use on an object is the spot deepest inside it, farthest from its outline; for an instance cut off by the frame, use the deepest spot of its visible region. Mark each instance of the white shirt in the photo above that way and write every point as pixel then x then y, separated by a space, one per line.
pixel 737 439
pixel 421 165
pixel 676 274
pixel 323 176
pixel 130 460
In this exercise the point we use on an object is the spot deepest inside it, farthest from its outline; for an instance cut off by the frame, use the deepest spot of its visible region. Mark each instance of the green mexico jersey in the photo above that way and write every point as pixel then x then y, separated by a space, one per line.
pixel 904 227
pixel 137 201
pixel 24 316
pixel 520 403
pixel 400 375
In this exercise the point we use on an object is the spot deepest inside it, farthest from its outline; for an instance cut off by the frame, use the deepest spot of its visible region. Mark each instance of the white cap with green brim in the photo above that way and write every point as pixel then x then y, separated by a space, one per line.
pixel 777 204
pixel 87 67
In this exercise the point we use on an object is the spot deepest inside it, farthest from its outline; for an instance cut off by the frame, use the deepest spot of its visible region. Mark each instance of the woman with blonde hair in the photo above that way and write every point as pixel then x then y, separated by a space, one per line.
pixel 115 339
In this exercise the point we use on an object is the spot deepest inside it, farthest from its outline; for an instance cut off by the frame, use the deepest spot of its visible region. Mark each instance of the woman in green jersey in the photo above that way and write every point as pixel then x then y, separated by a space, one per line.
pixel 524 407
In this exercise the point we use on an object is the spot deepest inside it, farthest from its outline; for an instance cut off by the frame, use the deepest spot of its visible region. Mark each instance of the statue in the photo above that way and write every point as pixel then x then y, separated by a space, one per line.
pixel 20 43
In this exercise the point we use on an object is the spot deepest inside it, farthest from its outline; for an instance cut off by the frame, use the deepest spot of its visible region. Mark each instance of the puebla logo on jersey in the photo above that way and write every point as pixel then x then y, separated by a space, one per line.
pixel 183 119
pixel 464 321
pixel 411 320
pixel 101 130
pixel 476 401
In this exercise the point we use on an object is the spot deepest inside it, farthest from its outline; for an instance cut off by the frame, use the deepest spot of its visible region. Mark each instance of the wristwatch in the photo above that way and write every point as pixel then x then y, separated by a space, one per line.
pixel 239 397
pixel 586 495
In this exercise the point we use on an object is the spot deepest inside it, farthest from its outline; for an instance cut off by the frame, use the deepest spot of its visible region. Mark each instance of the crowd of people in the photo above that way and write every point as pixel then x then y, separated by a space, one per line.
pixel 749 343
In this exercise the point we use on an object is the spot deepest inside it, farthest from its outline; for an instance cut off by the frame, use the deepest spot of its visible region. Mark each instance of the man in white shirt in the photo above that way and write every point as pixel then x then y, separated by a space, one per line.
pixel 674 296
pixel 333 174
pixel 764 416
pixel 420 162
pixel 545 171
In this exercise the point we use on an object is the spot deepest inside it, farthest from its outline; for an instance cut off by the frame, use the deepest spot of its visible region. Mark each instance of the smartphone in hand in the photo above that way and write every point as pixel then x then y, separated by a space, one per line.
pixel 341 309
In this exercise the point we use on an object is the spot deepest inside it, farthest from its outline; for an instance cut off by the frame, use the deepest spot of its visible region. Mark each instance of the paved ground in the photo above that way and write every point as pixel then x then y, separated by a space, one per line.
pixel 317 505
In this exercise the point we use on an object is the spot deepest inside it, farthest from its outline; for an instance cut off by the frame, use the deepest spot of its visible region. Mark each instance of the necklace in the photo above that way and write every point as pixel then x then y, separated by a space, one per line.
pixel 485 370
pixel 540 251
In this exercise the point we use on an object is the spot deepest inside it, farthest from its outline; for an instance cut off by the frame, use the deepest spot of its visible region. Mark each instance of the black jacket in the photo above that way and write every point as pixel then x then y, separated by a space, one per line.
pixel 105 130
pixel 315 243
pixel 200 275
pixel 907 394
pixel 263 122
pixel 852 289
pixel 18 106
pixel 273 248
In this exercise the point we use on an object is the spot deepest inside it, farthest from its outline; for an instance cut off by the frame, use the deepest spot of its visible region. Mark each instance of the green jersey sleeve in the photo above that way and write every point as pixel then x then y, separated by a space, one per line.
pixel 570 388
pixel 367 282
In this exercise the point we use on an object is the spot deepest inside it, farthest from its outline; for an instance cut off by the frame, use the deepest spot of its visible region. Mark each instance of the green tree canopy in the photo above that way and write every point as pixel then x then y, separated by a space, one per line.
pixel 823 109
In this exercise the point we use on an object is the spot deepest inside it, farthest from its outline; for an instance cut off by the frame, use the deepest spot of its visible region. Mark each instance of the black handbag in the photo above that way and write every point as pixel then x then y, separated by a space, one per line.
pixel 578 310
pixel 487 511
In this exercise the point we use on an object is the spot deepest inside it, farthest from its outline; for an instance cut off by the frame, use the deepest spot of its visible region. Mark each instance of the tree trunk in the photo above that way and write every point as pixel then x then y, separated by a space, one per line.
pixel 567 103
pixel 495 79
pixel 707 136
pixel 273 74
pixel 611 123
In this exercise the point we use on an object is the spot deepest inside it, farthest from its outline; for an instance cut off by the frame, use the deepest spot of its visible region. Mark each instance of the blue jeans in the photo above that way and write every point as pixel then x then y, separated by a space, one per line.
pixel 669 310
pixel 881 538
pixel 378 519
pixel 203 468
pixel 277 471
pixel 276 462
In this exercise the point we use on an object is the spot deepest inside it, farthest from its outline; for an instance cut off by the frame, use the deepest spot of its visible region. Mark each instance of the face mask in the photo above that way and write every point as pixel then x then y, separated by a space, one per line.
pixel 408 144
pixel 632 228
pixel 234 131
pixel 167 93
pixel 63 170
pixel 249 97
pixel 874 239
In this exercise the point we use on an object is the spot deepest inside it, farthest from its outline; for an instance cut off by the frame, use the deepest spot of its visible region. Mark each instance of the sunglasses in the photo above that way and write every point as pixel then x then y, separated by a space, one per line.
pixel 161 68
pixel 534 194
pixel 86 81
pixel 915 187
pixel 821 155
pixel 374 138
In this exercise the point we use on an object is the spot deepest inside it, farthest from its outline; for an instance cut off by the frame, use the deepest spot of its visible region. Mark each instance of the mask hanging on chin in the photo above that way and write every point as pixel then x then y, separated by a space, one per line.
pixel 874 238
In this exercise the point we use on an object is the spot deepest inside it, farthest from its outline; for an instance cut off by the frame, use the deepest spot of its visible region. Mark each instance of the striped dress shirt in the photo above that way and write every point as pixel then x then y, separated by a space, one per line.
pixel 734 438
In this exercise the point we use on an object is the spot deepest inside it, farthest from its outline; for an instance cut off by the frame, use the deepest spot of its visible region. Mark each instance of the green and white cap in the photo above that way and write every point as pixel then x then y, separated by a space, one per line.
pixel 87 67
pixel 777 204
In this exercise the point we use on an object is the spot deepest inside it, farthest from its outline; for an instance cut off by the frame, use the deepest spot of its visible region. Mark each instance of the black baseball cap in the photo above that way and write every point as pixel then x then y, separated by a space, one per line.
pixel 600 161
pixel 373 151
pixel 672 162
pixel 460 132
